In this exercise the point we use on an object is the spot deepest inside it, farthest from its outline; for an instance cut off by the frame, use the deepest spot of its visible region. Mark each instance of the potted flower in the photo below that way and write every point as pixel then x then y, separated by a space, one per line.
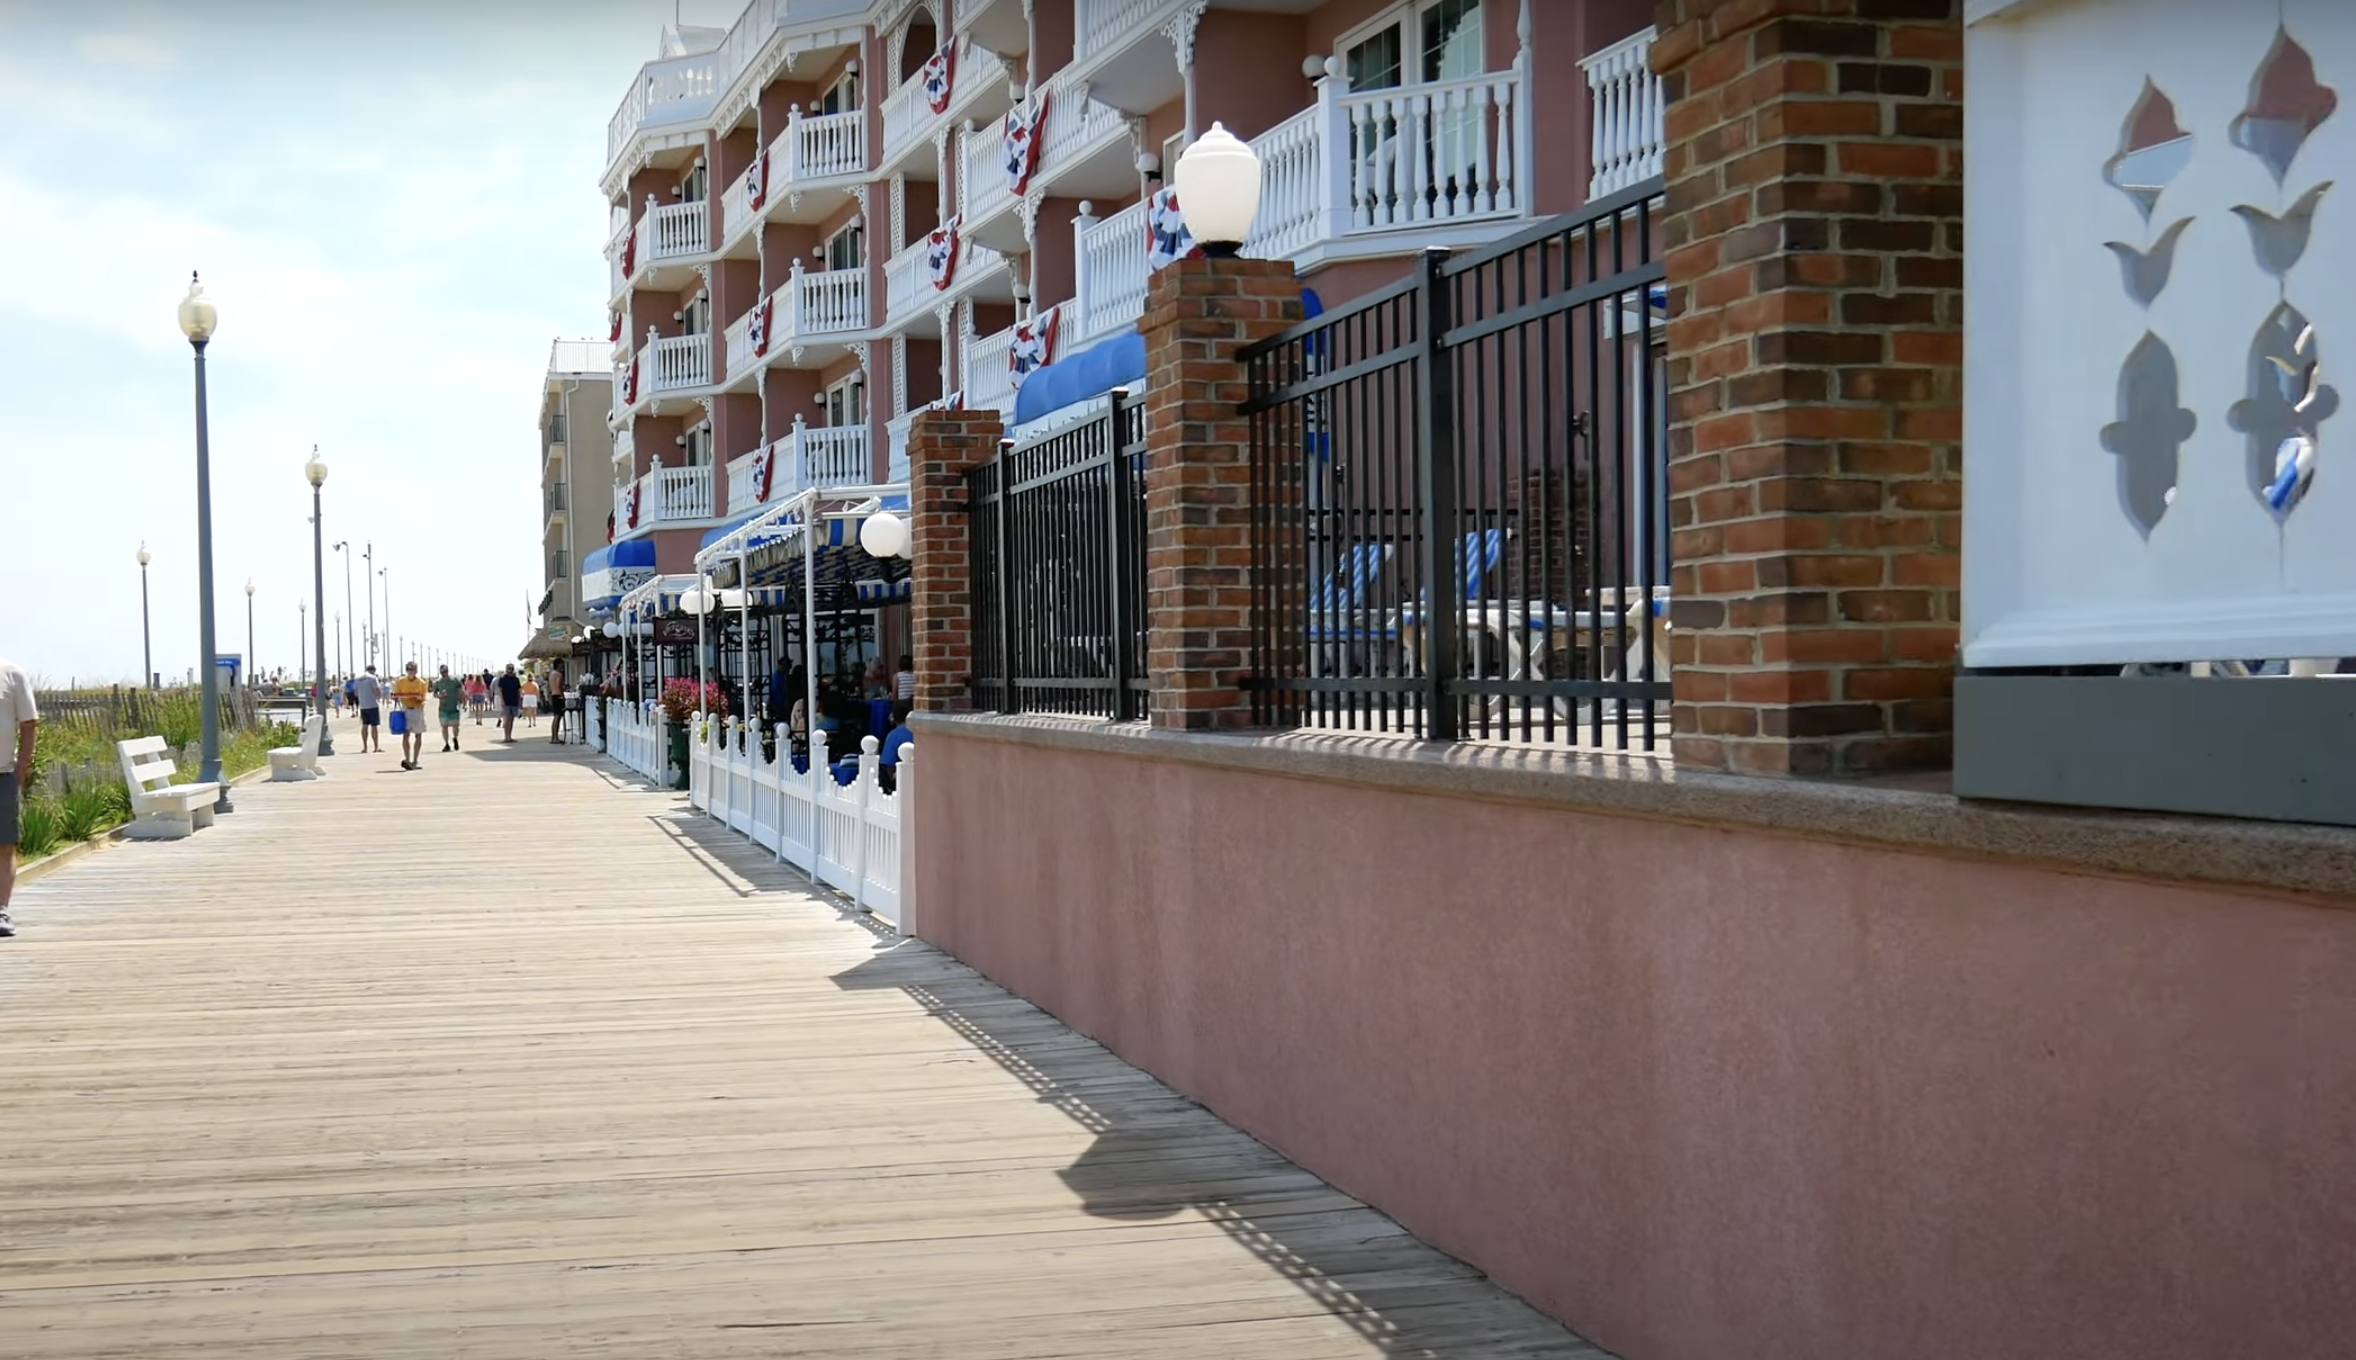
pixel 682 700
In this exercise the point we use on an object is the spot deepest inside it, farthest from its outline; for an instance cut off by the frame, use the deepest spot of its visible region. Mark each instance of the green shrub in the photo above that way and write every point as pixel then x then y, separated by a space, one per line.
pixel 39 832
pixel 83 814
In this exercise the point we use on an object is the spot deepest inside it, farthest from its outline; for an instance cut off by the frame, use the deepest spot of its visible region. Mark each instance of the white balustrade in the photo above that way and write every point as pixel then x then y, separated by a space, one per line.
pixel 676 229
pixel 908 114
pixel 853 837
pixel 1107 25
pixel 635 735
pixel 823 302
pixel 982 188
pixel 737 344
pixel 675 493
pixel 824 144
pixel 1442 152
pixel 743 494
pixel 675 361
pixel 1625 114
pixel 1294 191
pixel 827 456
pixel 1110 276
pixel 626 447
pixel 665 91
pixel 989 377
pixel 616 279
pixel 1076 126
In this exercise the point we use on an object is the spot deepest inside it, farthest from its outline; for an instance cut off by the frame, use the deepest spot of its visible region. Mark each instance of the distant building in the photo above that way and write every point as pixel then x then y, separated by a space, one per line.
pixel 577 472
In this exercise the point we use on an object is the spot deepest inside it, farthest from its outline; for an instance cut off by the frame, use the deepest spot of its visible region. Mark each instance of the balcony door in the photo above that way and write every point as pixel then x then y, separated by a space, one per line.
pixel 846 403
pixel 1421 44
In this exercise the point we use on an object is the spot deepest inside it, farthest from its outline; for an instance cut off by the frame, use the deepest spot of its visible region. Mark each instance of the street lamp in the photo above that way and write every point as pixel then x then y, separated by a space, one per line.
pixel 368 555
pixel 884 534
pixel 315 472
pixel 1219 190
pixel 147 677
pixel 198 320
pixel 252 671
pixel 302 637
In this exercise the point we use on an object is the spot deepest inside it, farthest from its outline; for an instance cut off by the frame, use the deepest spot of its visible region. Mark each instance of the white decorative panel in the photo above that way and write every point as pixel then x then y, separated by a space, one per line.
pixel 2160 317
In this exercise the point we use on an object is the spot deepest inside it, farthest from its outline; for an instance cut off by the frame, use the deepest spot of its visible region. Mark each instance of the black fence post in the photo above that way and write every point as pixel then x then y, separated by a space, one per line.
pixel 1008 700
pixel 1120 485
pixel 1435 380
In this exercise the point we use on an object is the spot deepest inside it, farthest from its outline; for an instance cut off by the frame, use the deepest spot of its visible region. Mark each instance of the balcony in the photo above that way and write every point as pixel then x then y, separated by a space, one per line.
pixel 625 448
pixel 670 93
pixel 978 90
pixel 814 152
pixel 812 457
pixel 1104 26
pixel 671 495
pixel 1083 149
pixel 1372 164
pixel 808 308
pixel 1109 276
pixel 674 363
pixel 988 375
pixel 909 294
pixel 1627 106
pixel 553 506
pixel 662 246
pixel 896 430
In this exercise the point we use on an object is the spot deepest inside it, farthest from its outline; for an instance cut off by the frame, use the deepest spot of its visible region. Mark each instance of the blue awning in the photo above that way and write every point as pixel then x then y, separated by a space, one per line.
pixel 613 571
pixel 1094 371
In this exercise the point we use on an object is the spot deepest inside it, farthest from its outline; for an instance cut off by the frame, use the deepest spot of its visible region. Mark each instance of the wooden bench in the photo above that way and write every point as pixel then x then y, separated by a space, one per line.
pixel 160 809
pixel 301 760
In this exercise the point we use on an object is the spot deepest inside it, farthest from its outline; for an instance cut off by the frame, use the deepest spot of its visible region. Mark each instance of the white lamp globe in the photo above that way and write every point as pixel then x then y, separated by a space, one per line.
pixel 198 317
pixel 613 628
pixel 315 471
pixel 692 601
pixel 1219 190
pixel 884 534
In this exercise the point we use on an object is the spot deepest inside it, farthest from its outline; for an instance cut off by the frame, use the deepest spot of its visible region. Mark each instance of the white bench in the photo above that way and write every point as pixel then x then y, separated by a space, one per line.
pixel 301 760
pixel 160 809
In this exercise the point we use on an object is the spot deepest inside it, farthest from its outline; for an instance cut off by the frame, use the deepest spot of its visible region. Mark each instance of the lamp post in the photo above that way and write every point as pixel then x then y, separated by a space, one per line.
pixel 252 671
pixel 368 555
pixel 1219 182
pixel 198 320
pixel 315 472
pixel 146 634
pixel 302 638
pixel 384 577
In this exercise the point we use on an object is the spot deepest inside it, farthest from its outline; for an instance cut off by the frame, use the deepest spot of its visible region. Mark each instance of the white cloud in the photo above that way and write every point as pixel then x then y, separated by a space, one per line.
pixel 134 51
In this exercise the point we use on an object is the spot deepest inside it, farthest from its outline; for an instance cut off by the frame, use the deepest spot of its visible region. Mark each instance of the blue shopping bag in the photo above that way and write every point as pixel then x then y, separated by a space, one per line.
pixel 400 722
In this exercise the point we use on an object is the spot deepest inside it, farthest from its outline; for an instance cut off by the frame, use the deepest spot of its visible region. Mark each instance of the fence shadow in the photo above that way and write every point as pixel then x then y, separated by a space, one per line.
pixel 1157 1154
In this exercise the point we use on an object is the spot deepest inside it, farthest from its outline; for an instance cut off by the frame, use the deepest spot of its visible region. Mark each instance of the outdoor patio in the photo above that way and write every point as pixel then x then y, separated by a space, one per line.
pixel 516 1057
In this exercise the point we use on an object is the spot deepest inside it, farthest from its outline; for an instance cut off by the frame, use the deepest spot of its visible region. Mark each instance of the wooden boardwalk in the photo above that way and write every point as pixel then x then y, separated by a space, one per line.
pixel 510 1058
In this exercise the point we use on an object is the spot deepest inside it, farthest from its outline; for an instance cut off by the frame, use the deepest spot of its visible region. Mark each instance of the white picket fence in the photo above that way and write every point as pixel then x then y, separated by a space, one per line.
pixel 852 837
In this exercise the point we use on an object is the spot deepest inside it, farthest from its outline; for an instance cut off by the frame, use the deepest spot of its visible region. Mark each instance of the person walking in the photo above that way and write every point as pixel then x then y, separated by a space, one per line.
pixel 555 697
pixel 20 723
pixel 368 693
pixel 410 691
pixel 450 700
pixel 511 703
pixel 531 701
pixel 473 687
pixel 904 683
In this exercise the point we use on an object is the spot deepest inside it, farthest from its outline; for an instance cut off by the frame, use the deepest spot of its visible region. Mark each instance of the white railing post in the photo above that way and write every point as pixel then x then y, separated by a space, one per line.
pixel 904 800
pixel 868 746
pixel 1083 281
pixel 820 776
pixel 1341 157
pixel 791 143
pixel 793 306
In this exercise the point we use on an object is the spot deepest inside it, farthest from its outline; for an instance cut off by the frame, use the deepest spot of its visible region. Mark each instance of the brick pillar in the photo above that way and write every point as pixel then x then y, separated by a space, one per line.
pixel 942 445
pixel 1198 568
pixel 1815 237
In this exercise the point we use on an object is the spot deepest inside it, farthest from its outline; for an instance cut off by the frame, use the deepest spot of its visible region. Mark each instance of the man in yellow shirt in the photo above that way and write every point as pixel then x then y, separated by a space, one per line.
pixel 409 692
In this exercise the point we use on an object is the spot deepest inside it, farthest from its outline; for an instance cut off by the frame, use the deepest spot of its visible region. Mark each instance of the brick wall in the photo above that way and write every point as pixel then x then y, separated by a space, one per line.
pixel 1198 588
pixel 1814 232
pixel 942 445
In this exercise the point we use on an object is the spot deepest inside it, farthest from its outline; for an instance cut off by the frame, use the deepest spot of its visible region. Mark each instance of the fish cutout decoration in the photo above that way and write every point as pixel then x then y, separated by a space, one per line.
pixel 2146 271
pixel 2280 241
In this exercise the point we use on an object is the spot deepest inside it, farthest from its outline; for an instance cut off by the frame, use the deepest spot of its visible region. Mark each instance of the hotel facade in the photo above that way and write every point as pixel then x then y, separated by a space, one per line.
pixel 837 213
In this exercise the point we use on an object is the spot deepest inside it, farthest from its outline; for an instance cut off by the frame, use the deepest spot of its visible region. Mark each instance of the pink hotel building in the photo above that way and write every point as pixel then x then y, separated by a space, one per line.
pixel 817 232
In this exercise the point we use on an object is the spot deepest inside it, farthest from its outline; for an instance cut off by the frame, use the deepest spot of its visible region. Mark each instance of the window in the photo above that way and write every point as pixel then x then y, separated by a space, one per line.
pixel 699 446
pixel 846 249
pixel 1446 37
pixel 1425 43
pixel 846 403
pixel 696 317
pixel 842 96
pixel 691 189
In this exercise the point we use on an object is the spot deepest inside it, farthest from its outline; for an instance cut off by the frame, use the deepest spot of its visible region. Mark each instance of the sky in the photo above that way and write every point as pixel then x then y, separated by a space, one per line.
pixel 395 208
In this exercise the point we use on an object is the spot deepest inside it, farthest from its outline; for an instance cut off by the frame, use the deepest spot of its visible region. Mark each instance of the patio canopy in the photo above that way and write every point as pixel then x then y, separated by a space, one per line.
pixel 612 572
pixel 772 549
pixel 1094 371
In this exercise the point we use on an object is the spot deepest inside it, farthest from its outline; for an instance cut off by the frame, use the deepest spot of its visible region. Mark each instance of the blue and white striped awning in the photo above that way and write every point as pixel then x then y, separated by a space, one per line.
pixel 770 546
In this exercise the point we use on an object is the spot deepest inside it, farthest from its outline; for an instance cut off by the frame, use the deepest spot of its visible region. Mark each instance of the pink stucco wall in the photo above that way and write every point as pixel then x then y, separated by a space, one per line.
pixel 1705 1092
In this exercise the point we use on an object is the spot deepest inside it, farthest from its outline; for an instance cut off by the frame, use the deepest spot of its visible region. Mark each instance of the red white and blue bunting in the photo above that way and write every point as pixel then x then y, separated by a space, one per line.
pixel 615 336
pixel 1167 240
pixel 940 255
pixel 940 78
pixel 764 471
pixel 1021 132
pixel 756 326
pixel 630 381
pixel 756 181
pixel 1034 344
pixel 630 506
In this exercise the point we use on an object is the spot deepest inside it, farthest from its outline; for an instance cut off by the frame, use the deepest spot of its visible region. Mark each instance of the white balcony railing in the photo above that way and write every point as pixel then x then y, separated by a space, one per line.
pixel 666 91
pixel 1625 109
pixel 813 147
pixel 674 230
pixel 1447 152
pixel 675 493
pixel 1107 25
pixel 810 457
pixel 626 447
pixel 808 305
pixel 982 188
pixel 1109 276
pixel 896 430
pixel 908 114
pixel 674 361
pixel 908 284
pixel 1076 126
pixel 989 379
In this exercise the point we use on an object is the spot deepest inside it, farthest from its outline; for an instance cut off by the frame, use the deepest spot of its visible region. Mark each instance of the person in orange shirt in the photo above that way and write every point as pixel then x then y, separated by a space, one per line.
pixel 409 693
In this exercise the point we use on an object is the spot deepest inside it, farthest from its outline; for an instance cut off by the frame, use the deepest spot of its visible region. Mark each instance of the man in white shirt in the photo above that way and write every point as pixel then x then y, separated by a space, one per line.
pixel 19 720
pixel 368 692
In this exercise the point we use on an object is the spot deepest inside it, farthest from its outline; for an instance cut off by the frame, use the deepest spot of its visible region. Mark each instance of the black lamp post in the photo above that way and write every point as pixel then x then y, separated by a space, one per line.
pixel 315 472
pixel 146 633
pixel 198 320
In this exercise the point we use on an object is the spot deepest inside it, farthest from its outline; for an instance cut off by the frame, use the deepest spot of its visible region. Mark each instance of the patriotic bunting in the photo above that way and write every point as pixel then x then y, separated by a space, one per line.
pixel 756 326
pixel 756 181
pixel 1034 344
pixel 940 255
pixel 630 253
pixel 630 506
pixel 940 78
pixel 764 471
pixel 1167 240
pixel 1022 128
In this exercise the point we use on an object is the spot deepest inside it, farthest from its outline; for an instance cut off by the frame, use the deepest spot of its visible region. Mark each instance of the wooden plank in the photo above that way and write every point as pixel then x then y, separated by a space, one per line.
pixel 512 1057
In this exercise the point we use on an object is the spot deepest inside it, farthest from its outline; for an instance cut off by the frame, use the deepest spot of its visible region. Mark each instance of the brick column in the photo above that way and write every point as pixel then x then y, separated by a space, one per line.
pixel 942 445
pixel 1198 567
pixel 1815 236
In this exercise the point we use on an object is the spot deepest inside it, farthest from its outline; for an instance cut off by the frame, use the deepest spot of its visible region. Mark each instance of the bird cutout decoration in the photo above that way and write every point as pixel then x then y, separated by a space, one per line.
pixel 2153 149
pixel 2284 412
pixel 2145 272
pixel 2149 433
pixel 2280 241
pixel 2286 105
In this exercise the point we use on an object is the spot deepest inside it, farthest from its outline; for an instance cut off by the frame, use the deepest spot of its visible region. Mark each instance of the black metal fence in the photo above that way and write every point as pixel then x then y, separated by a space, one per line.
pixel 1057 537
pixel 1460 488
